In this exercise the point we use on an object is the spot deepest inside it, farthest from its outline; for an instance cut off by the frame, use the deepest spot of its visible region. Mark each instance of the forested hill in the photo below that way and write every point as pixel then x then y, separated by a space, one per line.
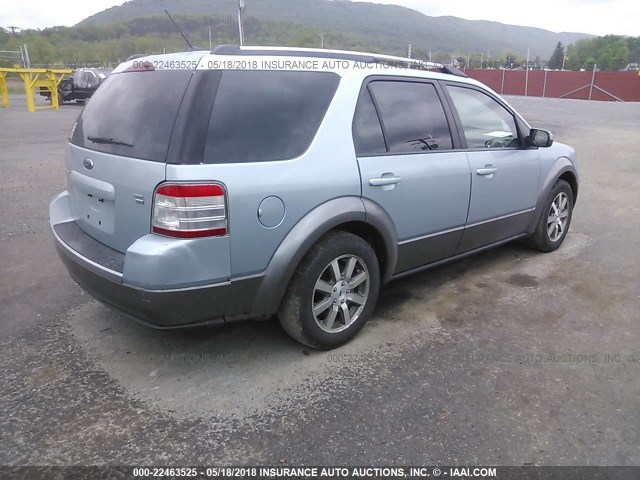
pixel 113 42
pixel 386 28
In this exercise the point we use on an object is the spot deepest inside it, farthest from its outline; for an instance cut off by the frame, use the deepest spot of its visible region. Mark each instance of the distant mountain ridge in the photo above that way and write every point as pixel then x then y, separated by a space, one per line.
pixel 389 28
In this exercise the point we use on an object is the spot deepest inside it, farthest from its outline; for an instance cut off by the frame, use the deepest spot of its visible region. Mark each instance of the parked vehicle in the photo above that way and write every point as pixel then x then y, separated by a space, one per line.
pixel 79 87
pixel 248 182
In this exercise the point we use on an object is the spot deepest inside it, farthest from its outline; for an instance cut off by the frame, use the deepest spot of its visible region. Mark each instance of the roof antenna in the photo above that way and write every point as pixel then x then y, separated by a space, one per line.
pixel 241 7
pixel 181 32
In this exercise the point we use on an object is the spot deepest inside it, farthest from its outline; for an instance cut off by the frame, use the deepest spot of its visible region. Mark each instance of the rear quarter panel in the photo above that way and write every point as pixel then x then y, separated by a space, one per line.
pixel 327 170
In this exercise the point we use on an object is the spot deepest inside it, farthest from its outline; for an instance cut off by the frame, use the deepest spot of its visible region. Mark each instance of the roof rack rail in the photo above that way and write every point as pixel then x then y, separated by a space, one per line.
pixel 136 55
pixel 364 57
pixel 450 70
pixel 324 53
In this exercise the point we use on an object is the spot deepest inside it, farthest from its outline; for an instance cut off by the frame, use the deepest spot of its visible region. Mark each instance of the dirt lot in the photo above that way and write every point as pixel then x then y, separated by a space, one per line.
pixel 507 358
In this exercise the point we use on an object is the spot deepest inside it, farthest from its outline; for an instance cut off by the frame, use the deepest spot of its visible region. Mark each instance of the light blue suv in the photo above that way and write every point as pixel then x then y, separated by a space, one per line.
pixel 247 182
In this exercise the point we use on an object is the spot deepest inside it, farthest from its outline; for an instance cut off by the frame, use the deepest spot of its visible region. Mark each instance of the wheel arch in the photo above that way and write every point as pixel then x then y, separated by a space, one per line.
pixel 572 180
pixel 563 169
pixel 345 213
pixel 368 232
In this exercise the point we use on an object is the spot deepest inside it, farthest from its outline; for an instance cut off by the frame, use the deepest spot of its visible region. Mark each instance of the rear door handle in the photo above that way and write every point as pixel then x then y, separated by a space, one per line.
pixel 487 170
pixel 380 182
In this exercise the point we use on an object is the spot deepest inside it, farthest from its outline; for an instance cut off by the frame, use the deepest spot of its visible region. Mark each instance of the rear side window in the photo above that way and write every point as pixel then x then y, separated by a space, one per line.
pixel 367 131
pixel 412 115
pixel 261 116
pixel 132 114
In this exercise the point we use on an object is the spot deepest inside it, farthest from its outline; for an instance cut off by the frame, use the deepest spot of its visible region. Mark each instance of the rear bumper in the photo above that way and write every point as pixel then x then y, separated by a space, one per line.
pixel 81 94
pixel 98 270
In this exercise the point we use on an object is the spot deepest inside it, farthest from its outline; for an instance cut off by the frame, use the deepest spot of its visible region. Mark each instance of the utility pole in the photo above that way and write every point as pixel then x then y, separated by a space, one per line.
pixel 241 7
pixel 409 52
pixel 564 59
pixel 322 40
pixel 14 31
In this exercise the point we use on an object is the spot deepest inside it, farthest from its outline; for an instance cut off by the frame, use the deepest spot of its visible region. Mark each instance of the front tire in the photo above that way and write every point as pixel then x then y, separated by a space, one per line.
pixel 555 219
pixel 332 293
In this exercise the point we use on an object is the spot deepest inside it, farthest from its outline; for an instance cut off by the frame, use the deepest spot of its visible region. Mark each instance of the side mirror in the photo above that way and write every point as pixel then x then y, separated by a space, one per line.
pixel 540 138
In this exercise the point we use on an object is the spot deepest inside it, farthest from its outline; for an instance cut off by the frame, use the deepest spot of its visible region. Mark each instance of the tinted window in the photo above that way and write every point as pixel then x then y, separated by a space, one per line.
pixel 367 132
pixel 132 114
pixel 262 116
pixel 413 116
pixel 485 122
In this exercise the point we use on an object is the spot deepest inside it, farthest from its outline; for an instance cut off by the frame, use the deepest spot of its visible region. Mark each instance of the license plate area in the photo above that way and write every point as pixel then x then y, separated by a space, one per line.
pixel 98 213
pixel 94 202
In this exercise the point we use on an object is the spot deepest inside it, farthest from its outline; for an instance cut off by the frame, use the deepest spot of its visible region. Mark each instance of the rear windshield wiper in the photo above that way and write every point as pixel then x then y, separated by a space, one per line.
pixel 108 140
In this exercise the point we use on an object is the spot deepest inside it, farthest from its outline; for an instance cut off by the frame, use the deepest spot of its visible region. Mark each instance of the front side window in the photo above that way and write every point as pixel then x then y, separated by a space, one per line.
pixel 412 115
pixel 485 122
pixel 261 116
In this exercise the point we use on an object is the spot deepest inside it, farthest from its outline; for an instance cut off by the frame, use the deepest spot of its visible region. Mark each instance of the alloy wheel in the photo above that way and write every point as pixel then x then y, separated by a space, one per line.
pixel 340 293
pixel 558 217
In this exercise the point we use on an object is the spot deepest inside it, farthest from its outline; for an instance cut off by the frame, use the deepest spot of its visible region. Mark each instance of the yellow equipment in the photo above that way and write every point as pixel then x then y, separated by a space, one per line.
pixel 33 79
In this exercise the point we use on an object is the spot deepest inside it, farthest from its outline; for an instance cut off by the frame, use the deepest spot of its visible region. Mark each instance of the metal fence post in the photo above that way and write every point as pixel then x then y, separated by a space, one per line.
pixel 502 85
pixel 25 57
pixel 544 85
pixel 593 77
pixel 526 78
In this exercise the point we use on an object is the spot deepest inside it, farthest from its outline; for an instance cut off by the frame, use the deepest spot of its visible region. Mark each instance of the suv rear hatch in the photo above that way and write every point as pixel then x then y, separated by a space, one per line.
pixel 118 152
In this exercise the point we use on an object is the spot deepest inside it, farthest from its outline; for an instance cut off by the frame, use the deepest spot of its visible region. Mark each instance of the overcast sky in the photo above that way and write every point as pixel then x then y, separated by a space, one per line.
pixel 599 17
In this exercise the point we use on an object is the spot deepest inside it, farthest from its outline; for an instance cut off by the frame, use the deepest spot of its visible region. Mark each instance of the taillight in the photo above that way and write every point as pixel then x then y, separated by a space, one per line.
pixel 189 210
pixel 141 66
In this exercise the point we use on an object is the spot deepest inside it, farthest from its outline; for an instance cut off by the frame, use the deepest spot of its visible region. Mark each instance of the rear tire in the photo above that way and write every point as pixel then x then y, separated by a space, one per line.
pixel 63 93
pixel 332 293
pixel 555 219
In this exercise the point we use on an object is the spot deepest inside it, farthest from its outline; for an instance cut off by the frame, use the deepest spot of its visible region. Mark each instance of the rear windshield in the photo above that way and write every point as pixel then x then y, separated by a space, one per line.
pixel 260 116
pixel 132 114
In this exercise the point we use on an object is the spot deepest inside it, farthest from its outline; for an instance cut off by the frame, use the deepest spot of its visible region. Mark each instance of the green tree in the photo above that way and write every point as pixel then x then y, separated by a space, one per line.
pixel 41 52
pixel 633 44
pixel 615 54
pixel 610 52
pixel 572 63
pixel 589 63
pixel 557 57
